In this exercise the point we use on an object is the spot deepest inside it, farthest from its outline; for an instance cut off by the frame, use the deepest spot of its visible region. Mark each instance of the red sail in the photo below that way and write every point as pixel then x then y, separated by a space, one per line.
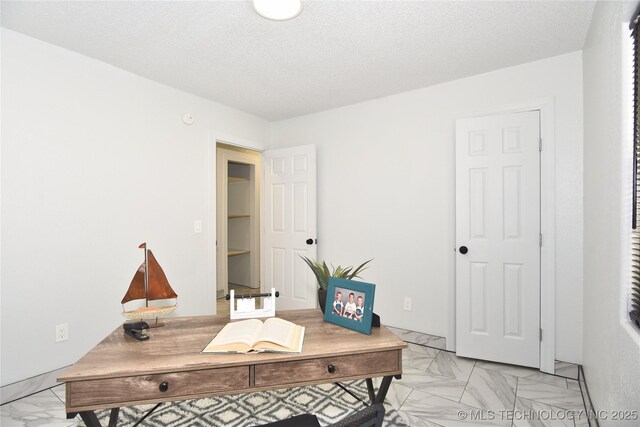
pixel 158 284
pixel 136 288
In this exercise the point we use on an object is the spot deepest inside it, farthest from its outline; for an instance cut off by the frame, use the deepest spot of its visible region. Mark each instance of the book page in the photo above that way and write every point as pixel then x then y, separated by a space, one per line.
pixel 244 332
pixel 279 331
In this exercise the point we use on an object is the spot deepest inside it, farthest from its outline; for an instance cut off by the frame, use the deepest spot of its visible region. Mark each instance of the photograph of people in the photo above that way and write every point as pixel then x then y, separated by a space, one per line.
pixel 337 304
pixel 359 309
pixel 350 307
pixel 352 303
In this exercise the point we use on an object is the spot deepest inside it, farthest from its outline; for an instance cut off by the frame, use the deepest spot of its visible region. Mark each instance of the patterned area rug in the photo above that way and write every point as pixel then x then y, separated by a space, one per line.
pixel 328 402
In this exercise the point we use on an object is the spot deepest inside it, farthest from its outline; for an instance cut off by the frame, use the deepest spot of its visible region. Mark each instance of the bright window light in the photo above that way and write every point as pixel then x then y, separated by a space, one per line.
pixel 278 10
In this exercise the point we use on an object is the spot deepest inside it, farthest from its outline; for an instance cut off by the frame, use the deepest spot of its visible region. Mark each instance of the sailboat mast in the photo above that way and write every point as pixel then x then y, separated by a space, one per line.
pixel 146 277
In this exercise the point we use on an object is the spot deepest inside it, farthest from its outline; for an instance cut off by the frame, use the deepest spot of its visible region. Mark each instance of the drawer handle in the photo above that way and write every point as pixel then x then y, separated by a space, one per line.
pixel 164 386
pixel 331 368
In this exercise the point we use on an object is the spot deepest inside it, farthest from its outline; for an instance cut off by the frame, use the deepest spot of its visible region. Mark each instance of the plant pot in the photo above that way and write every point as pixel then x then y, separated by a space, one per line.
pixel 322 298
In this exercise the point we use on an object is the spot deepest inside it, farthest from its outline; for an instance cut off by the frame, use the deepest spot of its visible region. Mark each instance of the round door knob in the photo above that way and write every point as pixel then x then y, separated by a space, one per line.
pixel 164 386
pixel 309 241
pixel 331 368
pixel 463 250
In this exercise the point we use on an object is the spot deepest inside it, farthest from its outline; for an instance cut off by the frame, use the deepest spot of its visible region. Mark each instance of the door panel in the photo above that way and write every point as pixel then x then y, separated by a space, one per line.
pixel 478 297
pixel 511 202
pixel 498 219
pixel 477 202
pixel 290 218
pixel 512 276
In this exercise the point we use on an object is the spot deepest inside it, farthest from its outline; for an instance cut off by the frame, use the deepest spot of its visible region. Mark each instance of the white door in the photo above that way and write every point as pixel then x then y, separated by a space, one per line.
pixel 498 223
pixel 290 225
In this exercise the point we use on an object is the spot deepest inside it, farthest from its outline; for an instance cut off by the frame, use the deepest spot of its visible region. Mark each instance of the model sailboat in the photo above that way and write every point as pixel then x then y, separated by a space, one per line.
pixel 149 283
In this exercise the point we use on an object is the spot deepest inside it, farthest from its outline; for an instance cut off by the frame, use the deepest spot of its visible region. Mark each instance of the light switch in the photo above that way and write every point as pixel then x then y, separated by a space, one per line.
pixel 197 226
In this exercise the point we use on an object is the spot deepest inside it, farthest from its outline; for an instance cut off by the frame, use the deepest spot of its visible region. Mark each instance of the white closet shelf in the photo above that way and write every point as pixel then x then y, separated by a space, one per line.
pixel 239 216
pixel 235 179
pixel 236 252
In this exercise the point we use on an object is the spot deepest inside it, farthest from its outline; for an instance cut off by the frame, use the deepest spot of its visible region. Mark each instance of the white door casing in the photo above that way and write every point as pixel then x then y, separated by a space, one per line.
pixel 498 220
pixel 289 220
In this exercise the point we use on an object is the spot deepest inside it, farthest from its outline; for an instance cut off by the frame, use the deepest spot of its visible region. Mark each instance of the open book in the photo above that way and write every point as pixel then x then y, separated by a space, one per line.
pixel 273 335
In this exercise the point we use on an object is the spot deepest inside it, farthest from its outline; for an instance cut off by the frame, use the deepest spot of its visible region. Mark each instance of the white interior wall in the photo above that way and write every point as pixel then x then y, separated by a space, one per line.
pixel 77 199
pixel 611 344
pixel 386 182
pixel 96 160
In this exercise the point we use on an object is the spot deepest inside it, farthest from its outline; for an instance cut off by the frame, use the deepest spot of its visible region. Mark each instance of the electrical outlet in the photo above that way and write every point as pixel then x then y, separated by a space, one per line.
pixel 407 303
pixel 62 332
pixel 197 226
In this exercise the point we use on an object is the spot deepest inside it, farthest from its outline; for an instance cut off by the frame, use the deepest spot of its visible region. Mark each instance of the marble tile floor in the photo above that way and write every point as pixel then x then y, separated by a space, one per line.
pixel 440 389
pixel 437 389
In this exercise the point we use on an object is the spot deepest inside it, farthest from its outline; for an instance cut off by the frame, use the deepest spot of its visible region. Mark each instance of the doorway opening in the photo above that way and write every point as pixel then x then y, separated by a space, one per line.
pixel 238 220
pixel 268 227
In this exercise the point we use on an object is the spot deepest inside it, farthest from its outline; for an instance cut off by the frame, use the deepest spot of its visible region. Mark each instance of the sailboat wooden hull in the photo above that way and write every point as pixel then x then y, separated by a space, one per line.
pixel 148 312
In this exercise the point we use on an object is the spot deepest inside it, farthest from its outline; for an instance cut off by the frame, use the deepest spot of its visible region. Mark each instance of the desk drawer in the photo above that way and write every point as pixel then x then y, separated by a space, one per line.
pixel 327 368
pixel 150 387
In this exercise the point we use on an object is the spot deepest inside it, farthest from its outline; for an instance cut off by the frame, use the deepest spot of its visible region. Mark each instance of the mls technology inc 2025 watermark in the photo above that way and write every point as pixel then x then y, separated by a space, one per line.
pixel 547 415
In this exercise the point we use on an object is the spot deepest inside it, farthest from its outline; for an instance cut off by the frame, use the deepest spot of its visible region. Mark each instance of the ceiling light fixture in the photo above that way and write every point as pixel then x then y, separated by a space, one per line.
pixel 278 10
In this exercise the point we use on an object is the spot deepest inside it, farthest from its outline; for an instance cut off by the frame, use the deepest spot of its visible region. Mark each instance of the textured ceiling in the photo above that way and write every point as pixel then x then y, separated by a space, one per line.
pixel 335 53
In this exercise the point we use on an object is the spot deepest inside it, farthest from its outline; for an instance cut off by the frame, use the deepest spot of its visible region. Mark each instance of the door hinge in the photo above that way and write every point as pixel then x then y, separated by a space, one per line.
pixel 540 239
pixel 540 334
pixel 540 144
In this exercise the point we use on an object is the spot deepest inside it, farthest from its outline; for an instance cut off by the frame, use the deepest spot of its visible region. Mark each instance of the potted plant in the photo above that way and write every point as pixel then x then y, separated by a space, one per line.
pixel 323 274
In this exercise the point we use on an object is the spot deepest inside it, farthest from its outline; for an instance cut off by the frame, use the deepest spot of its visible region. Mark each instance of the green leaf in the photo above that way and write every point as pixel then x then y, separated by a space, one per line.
pixel 359 269
pixel 323 273
pixel 318 271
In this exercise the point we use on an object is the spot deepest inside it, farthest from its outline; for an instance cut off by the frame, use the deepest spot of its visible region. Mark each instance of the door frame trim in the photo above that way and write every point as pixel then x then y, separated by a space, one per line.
pixel 214 137
pixel 546 107
pixel 226 155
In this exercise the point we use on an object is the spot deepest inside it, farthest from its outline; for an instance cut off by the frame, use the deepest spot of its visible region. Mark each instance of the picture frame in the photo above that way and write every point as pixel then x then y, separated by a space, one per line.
pixel 354 314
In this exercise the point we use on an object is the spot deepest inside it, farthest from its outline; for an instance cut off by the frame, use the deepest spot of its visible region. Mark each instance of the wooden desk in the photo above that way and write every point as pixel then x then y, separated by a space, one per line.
pixel 121 371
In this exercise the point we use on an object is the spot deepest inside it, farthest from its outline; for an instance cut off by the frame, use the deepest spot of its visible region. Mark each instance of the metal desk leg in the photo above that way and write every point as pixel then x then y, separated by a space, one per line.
pixel 382 390
pixel 113 418
pixel 370 389
pixel 90 419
